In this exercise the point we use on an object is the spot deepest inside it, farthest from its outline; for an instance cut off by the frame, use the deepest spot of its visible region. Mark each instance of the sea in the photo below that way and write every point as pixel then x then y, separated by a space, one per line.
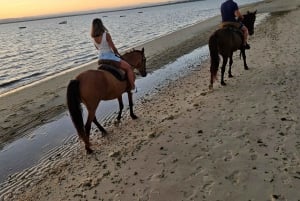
pixel 33 50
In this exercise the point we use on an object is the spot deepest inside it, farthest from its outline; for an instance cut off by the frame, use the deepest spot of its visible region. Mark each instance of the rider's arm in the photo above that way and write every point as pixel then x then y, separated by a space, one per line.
pixel 111 44
pixel 238 14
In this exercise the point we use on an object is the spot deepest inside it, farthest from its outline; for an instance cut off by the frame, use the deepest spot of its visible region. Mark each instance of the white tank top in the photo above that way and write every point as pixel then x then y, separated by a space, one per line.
pixel 103 47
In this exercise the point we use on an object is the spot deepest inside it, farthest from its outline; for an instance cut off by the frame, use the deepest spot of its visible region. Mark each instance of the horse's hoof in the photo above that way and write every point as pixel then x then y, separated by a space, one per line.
pixel 133 116
pixel 223 83
pixel 104 133
pixel 89 150
pixel 119 117
pixel 246 68
pixel 230 75
pixel 210 87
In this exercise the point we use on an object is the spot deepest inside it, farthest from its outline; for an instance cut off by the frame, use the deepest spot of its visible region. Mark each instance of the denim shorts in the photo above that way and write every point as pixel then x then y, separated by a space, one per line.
pixel 109 56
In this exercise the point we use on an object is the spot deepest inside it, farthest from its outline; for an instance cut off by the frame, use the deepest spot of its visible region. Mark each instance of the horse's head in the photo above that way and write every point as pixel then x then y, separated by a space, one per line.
pixel 249 20
pixel 137 59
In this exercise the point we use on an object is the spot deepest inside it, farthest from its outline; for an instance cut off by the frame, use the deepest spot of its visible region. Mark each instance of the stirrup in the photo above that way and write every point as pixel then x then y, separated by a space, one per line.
pixel 134 90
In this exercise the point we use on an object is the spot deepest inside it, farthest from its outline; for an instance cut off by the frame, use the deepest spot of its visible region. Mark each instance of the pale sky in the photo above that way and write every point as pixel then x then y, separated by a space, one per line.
pixel 28 8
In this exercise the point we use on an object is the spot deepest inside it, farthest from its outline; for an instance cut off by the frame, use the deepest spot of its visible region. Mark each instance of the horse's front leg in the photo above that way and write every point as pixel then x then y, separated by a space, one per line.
pixel 243 51
pixel 211 86
pixel 121 106
pixel 230 64
pixel 133 116
pixel 223 70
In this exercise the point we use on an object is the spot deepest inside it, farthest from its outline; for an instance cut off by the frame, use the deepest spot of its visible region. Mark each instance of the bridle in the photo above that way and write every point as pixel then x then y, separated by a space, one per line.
pixel 143 59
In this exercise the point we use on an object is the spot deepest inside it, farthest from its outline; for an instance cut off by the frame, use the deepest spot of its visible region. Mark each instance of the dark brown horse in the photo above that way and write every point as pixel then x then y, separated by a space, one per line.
pixel 225 41
pixel 92 86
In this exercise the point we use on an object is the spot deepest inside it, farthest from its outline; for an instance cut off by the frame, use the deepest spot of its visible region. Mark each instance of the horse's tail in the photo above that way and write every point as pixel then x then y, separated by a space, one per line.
pixel 74 106
pixel 214 55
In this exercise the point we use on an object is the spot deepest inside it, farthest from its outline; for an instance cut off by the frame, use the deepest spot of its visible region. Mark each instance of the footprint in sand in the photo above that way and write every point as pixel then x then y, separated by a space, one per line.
pixel 24 109
pixel 276 197
pixel 158 176
pixel 42 105
pixel 234 177
pixel 229 156
pixel 253 157
pixel 208 186
pixel 6 120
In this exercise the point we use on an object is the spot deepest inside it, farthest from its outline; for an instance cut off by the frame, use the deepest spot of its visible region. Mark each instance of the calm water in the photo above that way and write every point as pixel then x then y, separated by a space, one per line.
pixel 46 47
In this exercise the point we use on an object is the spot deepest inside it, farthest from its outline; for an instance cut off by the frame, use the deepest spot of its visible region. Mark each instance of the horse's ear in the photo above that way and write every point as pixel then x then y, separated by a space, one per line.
pixel 255 11
pixel 248 12
pixel 143 49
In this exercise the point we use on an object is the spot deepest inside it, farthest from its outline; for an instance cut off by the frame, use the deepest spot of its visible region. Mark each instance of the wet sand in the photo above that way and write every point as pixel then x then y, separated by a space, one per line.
pixel 239 142
pixel 44 100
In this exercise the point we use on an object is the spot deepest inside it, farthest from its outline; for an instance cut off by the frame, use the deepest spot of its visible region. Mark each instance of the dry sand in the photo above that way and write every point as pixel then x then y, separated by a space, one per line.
pixel 239 142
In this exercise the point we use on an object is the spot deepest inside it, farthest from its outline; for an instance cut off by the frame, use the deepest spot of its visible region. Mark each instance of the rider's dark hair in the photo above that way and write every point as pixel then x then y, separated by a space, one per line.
pixel 97 28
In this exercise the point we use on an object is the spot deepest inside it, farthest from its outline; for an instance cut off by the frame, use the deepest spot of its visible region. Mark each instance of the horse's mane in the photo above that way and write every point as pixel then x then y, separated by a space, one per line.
pixel 249 15
pixel 132 50
pixel 249 20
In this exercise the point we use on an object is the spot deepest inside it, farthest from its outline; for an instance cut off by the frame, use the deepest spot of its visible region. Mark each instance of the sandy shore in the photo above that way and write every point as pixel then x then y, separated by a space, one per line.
pixel 44 100
pixel 239 142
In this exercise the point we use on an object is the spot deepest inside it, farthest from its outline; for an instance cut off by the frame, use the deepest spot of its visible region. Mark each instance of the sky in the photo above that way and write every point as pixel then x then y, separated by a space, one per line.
pixel 30 8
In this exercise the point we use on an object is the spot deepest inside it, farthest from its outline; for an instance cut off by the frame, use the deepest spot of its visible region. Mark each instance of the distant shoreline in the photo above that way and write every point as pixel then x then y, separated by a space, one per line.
pixel 28 19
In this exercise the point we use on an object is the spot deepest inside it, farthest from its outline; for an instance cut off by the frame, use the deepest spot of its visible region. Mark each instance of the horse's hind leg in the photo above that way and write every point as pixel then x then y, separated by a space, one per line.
pixel 99 126
pixel 121 106
pixel 133 116
pixel 223 70
pixel 91 117
pixel 230 64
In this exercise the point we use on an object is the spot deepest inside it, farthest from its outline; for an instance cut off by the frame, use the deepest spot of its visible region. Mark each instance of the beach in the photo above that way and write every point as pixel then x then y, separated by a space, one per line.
pixel 238 142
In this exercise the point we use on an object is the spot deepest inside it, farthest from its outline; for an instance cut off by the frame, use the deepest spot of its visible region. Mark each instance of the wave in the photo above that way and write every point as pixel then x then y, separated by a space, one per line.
pixel 13 81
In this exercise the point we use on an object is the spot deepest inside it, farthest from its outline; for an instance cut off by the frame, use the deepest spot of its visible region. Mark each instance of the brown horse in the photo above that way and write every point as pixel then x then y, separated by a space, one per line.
pixel 225 41
pixel 92 86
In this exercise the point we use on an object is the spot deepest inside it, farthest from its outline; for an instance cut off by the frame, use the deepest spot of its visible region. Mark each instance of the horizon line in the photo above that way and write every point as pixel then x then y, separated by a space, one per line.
pixel 88 12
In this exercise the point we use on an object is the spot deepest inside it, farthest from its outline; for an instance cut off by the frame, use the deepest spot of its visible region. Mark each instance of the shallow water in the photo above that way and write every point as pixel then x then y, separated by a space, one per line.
pixel 52 138
pixel 46 47
pixel 27 151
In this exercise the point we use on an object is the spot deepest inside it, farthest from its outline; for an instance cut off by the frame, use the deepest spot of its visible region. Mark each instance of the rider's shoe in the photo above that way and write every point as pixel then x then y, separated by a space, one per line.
pixel 247 46
pixel 134 90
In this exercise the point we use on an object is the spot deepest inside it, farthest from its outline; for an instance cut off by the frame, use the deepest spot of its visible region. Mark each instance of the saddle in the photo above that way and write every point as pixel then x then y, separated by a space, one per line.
pixel 234 27
pixel 113 68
